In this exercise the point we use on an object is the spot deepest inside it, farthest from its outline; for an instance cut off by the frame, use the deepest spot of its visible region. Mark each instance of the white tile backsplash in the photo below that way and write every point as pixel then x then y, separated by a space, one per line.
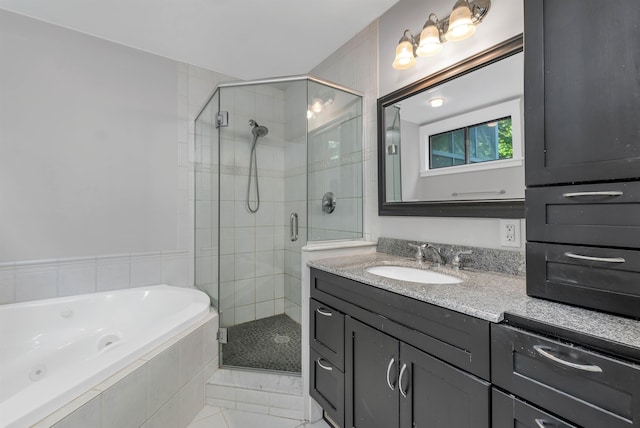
pixel 76 278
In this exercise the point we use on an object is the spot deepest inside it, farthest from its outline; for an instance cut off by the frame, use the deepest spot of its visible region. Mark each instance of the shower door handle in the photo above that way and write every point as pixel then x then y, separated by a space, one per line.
pixel 293 226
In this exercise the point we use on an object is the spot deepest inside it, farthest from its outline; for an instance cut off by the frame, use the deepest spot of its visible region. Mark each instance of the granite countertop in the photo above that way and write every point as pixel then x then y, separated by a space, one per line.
pixel 486 295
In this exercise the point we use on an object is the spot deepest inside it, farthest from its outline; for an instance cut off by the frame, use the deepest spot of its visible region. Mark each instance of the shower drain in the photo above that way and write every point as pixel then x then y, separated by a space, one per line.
pixel 281 339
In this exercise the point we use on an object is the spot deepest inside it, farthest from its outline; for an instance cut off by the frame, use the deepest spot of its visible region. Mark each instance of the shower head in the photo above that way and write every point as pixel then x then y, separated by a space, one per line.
pixel 258 131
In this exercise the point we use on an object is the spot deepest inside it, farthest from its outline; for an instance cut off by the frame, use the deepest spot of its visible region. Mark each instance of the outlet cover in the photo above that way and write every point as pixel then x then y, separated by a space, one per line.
pixel 510 233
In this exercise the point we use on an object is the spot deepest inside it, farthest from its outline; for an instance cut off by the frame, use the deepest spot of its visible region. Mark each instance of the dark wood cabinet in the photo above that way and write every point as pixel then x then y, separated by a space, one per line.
pixel 583 387
pixel 582 104
pixel 508 411
pixel 391 384
pixel 439 395
pixel 406 363
pixel 371 384
pixel 582 91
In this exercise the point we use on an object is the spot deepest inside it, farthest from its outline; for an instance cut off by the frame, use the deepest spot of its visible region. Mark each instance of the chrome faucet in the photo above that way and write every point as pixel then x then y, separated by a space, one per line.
pixel 419 252
pixel 437 257
pixel 456 263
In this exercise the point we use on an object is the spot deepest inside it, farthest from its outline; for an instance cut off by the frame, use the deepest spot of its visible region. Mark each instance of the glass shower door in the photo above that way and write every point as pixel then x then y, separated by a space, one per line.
pixel 262 188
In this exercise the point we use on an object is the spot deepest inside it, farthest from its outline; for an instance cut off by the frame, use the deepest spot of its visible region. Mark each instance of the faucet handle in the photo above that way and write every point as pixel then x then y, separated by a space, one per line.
pixel 419 251
pixel 456 262
pixel 418 246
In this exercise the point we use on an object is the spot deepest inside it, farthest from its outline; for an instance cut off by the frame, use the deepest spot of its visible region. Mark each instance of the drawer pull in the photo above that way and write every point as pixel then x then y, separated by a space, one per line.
pixel 584 367
pixel 389 384
pixel 403 392
pixel 612 194
pixel 324 312
pixel 327 368
pixel 595 259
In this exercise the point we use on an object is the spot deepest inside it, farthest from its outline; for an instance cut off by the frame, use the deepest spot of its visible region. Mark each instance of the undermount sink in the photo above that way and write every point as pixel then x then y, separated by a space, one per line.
pixel 404 273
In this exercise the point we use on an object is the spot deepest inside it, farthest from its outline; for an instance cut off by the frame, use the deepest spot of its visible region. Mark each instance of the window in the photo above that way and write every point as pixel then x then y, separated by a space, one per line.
pixel 482 139
pixel 488 141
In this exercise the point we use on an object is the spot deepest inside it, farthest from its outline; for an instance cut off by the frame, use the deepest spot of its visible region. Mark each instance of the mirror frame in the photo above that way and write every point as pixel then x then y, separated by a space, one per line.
pixel 507 208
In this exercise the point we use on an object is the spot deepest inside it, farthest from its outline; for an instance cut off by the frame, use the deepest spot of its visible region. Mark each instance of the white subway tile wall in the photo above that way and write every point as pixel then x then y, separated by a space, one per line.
pixel 165 388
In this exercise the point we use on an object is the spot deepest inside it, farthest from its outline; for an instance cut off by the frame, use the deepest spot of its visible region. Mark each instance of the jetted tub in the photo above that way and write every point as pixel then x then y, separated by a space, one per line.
pixel 53 350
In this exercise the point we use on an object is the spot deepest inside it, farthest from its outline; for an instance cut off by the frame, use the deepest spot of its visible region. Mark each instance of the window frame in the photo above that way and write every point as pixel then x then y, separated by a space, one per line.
pixel 512 108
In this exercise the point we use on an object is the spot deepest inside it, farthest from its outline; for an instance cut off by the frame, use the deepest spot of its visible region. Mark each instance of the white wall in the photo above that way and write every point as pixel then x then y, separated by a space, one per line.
pixel 88 153
pixel 364 63
pixel 96 163
pixel 504 20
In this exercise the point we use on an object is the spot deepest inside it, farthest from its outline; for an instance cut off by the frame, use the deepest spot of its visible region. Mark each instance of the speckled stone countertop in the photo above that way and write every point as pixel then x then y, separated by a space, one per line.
pixel 486 295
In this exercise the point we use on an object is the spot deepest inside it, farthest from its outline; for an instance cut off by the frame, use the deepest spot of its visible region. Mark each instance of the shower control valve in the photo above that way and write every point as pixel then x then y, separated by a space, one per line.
pixel 328 203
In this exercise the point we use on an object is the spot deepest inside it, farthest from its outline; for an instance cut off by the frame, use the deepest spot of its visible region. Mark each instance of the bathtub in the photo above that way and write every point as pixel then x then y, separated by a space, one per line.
pixel 53 350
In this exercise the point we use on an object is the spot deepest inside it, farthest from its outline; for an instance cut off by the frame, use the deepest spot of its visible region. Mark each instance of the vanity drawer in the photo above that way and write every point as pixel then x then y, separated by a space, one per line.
pixel 590 214
pixel 601 278
pixel 327 332
pixel 509 412
pixel 589 389
pixel 327 386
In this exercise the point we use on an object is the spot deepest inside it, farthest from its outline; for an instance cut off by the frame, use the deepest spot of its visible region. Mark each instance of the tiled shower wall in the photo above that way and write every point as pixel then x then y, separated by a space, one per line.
pixel 252 253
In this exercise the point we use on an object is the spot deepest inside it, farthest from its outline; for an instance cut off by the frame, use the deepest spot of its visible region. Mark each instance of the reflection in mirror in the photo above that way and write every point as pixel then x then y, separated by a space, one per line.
pixel 452 144
pixel 392 153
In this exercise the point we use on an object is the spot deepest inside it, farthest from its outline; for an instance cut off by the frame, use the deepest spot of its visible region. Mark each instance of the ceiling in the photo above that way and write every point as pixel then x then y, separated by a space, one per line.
pixel 247 39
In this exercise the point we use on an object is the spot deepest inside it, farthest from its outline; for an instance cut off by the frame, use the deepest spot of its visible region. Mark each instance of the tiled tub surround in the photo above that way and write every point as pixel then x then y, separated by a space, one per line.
pixel 44 279
pixel 485 259
pixel 84 346
pixel 488 296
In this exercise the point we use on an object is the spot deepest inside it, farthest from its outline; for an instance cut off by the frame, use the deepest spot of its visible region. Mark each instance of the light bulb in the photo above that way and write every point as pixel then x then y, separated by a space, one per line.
pixel 460 24
pixel 436 102
pixel 404 53
pixel 429 39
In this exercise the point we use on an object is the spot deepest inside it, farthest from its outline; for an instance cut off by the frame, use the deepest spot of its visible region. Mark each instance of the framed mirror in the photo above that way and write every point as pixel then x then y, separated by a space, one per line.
pixel 452 144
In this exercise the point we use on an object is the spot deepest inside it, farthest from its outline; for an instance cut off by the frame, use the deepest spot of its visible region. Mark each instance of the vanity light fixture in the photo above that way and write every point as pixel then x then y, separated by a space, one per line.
pixel 436 102
pixel 459 25
pixel 318 105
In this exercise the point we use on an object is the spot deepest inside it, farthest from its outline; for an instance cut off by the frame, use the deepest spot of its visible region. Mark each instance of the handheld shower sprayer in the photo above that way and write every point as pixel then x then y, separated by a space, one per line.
pixel 257 131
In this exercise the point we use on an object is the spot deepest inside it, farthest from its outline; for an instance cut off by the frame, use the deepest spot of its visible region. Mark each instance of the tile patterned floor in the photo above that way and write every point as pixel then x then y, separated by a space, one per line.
pixel 216 417
pixel 271 343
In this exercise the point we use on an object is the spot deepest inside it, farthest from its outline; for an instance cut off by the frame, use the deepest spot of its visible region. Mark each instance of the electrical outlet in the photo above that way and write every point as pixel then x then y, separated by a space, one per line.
pixel 510 233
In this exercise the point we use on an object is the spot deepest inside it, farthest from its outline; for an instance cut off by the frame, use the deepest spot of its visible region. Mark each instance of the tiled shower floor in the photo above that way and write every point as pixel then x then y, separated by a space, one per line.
pixel 271 343
pixel 215 417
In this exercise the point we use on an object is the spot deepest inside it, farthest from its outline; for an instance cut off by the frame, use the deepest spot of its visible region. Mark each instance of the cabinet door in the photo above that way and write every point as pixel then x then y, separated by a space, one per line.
pixel 582 92
pixel 371 377
pixel 437 395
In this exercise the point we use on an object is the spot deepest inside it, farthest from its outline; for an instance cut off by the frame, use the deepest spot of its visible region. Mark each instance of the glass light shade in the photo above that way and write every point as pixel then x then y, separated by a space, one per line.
pixel 429 40
pixel 404 55
pixel 460 24
pixel 316 105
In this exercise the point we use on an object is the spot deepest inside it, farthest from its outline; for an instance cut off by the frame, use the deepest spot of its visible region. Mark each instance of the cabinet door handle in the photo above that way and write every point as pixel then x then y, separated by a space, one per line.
pixel 389 384
pixel 327 368
pixel 595 259
pixel 323 312
pixel 584 367
pixel 541 423
pixel 402 370
pixel 612 194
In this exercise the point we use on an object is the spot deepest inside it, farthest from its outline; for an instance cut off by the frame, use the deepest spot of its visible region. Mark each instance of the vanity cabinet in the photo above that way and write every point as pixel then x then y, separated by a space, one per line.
pixel 582 103
pixel 582 92
pixel 577 385
pixel 406 363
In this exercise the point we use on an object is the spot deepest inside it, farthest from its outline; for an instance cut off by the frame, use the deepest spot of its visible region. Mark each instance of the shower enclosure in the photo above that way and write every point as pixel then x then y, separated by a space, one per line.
pixel 278 163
